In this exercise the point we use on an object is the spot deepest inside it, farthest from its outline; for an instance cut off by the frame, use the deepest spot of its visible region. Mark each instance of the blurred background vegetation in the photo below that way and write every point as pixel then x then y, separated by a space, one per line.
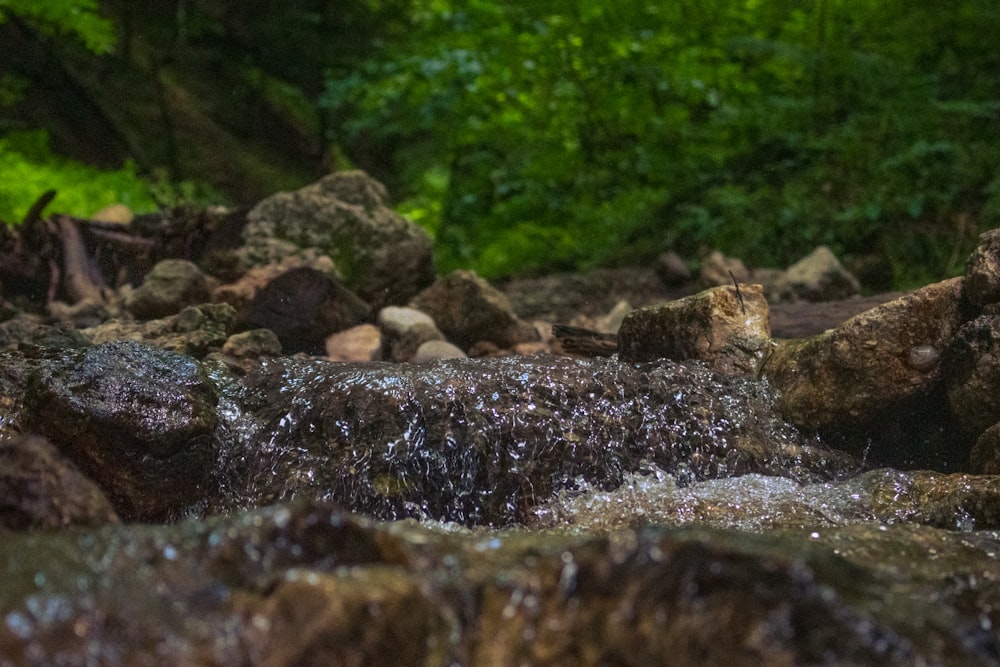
pixel 531 137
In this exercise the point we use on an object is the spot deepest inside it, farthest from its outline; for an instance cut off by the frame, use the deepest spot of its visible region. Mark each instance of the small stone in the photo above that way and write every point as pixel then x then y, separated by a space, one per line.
pixel 169 286
pixel 253 344
pixel 360 343
pixel 405 330
pixel 117 214
pixel 438 349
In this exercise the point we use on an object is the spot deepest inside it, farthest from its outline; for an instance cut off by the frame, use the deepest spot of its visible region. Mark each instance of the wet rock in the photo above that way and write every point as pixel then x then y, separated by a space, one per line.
pixel 360 343
pixel 39 489
pixel 724 327
pixel 195 331
pixel 169 286
pixel 406 329
pixel 381 256
pixel 672 269
pixel 138 420
pixel 973 372
pixel 482 441
pixel 305 584
pixel 819 276
pixel 437 349
pixel 253 344
pixel 718 269
pixel 855 373
pixel 756 503
pixel 982 270
pixel 985 455
pixel 303 306
pixel 467 309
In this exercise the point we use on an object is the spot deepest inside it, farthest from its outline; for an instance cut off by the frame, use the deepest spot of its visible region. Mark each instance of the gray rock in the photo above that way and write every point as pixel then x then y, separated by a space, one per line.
pixel 406 329
pixel 819 276
pixel 381 256
pixel 728 330
pixel 138 420
pixel 39 489
pixel 982 270
pixel 169 286
pixel 467 309
pixel 361 343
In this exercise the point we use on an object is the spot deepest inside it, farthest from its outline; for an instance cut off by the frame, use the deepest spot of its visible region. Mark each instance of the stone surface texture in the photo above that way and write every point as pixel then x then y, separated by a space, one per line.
pixel 726 328
pixel 381 256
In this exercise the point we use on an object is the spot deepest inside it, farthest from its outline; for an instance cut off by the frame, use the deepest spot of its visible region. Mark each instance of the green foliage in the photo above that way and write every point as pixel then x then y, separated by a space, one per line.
pixel 79 18
pixel 28 169
pixel 612 131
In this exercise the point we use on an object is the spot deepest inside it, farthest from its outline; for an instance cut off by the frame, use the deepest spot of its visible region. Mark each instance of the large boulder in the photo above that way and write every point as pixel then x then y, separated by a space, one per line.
pixel 467 309
pixel 726 327
pixel 381 256
pixel 138 420
pixel 852 374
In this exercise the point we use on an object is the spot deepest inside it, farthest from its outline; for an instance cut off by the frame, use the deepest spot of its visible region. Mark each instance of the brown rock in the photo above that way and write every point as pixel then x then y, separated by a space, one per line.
pixel 982 270
pixel 973 372
pixel 853 373
pixel 39 489
pixel 727 329
pixel 360 343
pixel 985 456
pixel 467 309
pixel 138 420
pixel 303 306
pixel 240 293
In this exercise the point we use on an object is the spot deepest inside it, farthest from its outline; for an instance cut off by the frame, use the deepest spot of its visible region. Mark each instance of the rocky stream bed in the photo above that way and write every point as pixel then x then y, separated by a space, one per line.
pixel 298 446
